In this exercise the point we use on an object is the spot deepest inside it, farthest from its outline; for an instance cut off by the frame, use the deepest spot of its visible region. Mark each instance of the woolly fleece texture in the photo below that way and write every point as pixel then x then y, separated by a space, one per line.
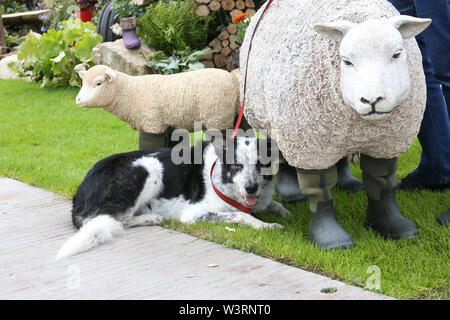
pixel 151 103
pixel 293 86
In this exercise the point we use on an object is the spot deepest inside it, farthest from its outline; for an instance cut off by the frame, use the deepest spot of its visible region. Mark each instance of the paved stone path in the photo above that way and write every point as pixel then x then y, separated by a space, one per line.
pixel 144 263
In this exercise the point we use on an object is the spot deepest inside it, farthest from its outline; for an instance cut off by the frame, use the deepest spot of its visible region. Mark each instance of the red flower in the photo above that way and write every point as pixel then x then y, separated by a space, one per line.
pixel 240 17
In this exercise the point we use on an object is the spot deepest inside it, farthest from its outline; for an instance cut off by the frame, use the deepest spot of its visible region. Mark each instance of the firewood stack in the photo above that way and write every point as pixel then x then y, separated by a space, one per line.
pixel 224 45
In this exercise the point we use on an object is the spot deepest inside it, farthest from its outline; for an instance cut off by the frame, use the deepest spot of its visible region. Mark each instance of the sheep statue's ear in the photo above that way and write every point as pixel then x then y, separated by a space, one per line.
pixel 335 30
pixel 409 26
pixel 82 73
pixel 110 75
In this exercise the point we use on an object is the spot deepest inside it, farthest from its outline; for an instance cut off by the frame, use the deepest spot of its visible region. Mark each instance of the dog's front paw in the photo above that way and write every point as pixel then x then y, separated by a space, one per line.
pixel 284 212
pixel 159 219
pixel 278 208
pixel 273 226
pixel 152 219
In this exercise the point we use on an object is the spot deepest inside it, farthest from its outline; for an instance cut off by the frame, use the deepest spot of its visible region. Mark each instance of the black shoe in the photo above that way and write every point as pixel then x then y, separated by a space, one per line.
pixel 324 230
pixel 346 181
pixel 384 217
pixel 410 184
pixel 444 219
pixel 286 185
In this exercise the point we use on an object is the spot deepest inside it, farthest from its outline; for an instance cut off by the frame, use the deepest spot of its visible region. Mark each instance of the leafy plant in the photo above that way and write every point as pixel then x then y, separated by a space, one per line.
pixel 60 10
pixel 182 61
pixel 124 8
pixel 11 6
pixel 13 41
pixel 52 58
pixel 173 26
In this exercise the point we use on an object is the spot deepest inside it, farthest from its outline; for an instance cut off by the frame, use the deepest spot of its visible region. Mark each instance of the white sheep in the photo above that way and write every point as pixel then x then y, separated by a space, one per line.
pixel 329 78
pixel 152 103
pixel 299 88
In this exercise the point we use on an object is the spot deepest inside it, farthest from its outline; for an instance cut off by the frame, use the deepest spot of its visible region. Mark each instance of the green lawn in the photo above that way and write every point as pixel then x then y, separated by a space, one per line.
pixel 47 141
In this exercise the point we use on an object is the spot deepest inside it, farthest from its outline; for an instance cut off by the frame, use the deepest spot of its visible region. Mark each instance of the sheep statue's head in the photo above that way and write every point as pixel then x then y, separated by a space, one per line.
pixel 96 91
pixel 374 75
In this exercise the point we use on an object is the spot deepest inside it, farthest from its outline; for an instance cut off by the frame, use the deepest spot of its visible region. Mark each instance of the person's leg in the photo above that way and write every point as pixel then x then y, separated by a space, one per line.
pixel 405 7
pixel 437 39
pixel 433 171
pixel 435 43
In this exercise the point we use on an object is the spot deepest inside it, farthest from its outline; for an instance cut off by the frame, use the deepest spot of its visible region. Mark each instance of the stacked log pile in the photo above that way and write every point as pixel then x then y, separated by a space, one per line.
pixel 225 44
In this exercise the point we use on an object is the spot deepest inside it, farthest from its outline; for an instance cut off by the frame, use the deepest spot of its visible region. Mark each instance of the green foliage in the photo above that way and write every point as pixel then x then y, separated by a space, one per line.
pixel 60 11
pixel 52 58
pixel 182 61
pixel 242 28
pixel 173 26
pixel 12 6
pixel 124 8
pixel 13 41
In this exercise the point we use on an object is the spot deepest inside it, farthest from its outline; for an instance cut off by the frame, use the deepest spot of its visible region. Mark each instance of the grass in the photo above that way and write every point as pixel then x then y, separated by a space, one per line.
pixel 48 142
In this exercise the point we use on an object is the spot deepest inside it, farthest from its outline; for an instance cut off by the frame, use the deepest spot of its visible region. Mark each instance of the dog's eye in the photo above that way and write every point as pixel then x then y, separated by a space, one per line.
pixel 260 164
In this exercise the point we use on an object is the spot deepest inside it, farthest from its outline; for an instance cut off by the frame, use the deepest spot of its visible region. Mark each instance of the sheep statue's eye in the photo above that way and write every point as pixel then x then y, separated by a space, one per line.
pixel 396 55
pixel 347 62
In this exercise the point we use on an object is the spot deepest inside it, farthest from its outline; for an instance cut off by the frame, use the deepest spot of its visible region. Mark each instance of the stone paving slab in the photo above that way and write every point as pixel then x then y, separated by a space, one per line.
pixel 144 263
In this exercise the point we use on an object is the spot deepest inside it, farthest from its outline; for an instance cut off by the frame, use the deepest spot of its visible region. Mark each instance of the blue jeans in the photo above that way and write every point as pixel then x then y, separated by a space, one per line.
pixel 434 43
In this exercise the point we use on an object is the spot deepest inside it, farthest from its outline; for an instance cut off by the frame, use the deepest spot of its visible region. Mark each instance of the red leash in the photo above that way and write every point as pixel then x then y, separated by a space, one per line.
pixel 238 122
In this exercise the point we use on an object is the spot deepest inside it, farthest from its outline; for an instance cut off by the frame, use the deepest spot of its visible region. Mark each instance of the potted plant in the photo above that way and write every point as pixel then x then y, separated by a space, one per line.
pixel 86 8
pixel 126 11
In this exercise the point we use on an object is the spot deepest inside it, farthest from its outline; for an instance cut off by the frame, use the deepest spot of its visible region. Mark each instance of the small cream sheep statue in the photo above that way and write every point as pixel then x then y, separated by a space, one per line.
pixel 152 103
pixel 338 77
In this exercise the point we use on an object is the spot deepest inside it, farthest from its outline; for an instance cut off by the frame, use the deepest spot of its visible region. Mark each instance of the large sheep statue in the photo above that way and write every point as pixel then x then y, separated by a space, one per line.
pixel 152 103
pixel 329 78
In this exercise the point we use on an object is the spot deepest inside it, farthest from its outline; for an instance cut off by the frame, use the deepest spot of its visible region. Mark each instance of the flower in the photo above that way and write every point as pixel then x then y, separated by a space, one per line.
pixel 116 29
pixel 240 17
pixel 43 29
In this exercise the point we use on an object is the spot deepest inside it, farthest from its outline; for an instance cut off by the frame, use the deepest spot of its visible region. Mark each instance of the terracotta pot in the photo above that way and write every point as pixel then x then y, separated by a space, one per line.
pixel 85 16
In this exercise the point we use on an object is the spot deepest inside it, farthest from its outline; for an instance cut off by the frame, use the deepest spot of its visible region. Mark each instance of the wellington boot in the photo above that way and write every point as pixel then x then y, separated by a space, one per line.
pixel 324 230
pixel 383 214
pixel 346 181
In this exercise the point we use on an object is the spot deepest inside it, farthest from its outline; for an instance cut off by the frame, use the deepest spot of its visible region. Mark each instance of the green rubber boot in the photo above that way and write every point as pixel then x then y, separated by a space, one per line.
pixel 151 141
pixel 288 189
pixel 383 214
pixel 346 181
pixel 324 229
pixel 286 184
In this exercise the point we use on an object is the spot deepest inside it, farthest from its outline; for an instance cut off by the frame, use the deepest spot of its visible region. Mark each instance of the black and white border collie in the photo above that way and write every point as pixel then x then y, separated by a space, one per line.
pixel 142 188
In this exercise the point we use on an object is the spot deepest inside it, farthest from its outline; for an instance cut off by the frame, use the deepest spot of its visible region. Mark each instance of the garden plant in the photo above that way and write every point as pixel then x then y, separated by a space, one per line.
pixel 127 11
pixel 51 58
